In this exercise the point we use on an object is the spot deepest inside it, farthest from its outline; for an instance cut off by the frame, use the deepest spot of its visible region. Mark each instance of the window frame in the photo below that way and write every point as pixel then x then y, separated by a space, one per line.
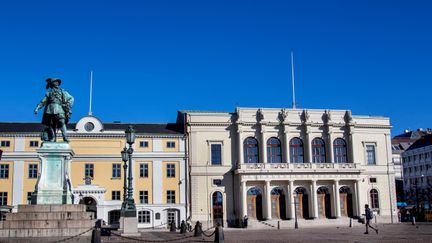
pixel 298 147
pixel 370 144
pixel 89 172
pixel 274 150
pixel 170 196
pixel 374 198
pixel 143 197
pixel 116 172
pixel 318 150
pixel 144 144
pixel 31 173
pixel 3 198
pixel 144 170
pixel 171 144
pixel 144 217
pixel 5 143
pixel 211 152
pixel 340 152
pixel 170 172
pixel 115 194
pixel 251 150
pixel 4 171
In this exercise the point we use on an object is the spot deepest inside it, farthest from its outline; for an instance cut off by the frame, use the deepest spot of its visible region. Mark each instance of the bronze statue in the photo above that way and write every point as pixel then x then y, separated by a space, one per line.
pixel 58 109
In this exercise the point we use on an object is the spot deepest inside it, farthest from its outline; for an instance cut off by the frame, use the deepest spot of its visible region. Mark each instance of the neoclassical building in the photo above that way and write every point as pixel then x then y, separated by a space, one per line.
pixel 274 163
pixel 158 166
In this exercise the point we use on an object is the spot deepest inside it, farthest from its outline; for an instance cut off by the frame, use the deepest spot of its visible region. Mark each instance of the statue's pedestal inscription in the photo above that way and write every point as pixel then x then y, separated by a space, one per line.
pixel 54 186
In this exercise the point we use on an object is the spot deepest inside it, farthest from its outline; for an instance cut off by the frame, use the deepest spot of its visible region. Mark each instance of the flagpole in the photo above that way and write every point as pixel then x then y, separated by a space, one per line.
pixel 292 81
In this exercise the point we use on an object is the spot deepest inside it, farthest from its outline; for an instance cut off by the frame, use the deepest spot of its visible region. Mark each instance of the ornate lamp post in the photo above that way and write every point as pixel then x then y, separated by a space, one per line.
pixel 295 211
pixel 128 206
pixel 125 158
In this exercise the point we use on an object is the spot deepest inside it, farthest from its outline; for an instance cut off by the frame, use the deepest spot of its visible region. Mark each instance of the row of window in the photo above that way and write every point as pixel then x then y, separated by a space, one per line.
pixel 144 197
pixel 274 151
pixel 417 168
pixel 32 171
pixel 418 157
pixel 145 144
pixel 116 170
pixel 419 180
pixel 6 143
pixel 144 217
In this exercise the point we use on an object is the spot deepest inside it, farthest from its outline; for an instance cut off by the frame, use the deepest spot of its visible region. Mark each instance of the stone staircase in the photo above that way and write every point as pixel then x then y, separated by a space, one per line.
pixel 33 221
pixel 302 223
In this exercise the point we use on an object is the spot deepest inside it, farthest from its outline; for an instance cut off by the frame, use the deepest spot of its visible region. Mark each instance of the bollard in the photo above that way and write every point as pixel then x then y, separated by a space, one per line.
pixel 96 234
pixel 219 234
pixel 278 225
pixel 183 227
pixel 350 225
pixel 172 226
pixel 198 229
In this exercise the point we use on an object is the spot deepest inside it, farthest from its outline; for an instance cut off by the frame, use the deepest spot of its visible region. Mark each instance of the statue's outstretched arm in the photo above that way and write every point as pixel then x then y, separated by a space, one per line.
pixel 41 103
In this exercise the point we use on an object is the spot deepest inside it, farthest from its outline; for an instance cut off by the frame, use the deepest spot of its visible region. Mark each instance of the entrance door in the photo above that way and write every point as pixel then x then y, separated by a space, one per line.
pixel 217 200
pixel 301 203
pixel 91 205
pixel 346 203
pixel 324 207
pixel 172 215
pixel 278 203
pixel 254 203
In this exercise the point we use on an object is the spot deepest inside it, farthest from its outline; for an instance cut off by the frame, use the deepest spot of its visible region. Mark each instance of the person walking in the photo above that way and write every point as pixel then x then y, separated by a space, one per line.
pixel 369 216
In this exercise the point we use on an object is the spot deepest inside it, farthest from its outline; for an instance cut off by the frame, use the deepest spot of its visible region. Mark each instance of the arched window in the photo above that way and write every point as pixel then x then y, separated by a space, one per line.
pixel 274 151
pixel 318 151
pixel 374 198
pixel 217 207
pixel 296 150
pixel 144 217
pixel 340 151
pixel 250 148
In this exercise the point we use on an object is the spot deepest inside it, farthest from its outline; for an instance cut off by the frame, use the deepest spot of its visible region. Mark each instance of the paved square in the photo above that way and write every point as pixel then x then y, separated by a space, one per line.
pixel 387 233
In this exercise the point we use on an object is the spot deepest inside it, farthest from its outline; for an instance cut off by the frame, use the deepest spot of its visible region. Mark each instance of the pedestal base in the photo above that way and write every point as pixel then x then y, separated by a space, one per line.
pixel 53 185
pixel 130 226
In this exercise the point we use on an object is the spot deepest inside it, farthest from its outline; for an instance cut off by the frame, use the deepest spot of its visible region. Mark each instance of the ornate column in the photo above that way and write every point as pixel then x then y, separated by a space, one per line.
pixel 337 199
pixel 291 201
pixel 240 145
pixel 308 147
pixel 263 144
pixel 268 200
pixel 243 203
pixel 330 156
pixel 358 197
pixel 314 198
pixel 286 150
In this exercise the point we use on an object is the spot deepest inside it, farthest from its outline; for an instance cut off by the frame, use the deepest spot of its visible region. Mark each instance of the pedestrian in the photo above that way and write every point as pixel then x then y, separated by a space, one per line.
pixel 245 221
pixel 369 216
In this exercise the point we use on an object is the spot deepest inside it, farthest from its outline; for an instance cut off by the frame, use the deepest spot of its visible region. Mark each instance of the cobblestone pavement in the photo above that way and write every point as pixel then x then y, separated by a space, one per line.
pixel 387 233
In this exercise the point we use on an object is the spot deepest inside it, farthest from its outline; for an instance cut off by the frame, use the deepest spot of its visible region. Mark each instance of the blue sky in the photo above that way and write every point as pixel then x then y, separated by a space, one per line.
pixel 152 58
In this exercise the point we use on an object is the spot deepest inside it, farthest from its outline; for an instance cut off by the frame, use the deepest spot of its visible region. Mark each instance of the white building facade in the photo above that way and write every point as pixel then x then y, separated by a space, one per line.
pixel 274 163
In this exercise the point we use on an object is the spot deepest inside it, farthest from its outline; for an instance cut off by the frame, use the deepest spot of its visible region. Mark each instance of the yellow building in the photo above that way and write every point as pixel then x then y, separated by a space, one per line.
pixel 97 175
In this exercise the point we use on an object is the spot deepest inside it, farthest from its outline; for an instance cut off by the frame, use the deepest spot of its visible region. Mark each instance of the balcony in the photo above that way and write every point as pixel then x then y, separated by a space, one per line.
pixel 299 168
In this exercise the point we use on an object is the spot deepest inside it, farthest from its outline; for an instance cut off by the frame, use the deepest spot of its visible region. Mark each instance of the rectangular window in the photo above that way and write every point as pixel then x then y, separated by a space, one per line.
pixel 143 170
pixel 143 144
pixel 33 171
pixel 115 195
pixel 4 171
pixel 372 180
pixel 29 194
pixel 34 143
pixel 143 197
pixel 370 154
pixel 3 198
pixel 5 144
pixel 89 170
pixel 171 196
pixel 144 217
pixel 170 170
pixel 216 154
pixel 170 144
pixel 116 170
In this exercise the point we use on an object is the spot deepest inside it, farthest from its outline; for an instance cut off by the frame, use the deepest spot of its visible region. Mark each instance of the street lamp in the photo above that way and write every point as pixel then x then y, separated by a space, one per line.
pixel 128 206
pixel 295 211
pixel 417 197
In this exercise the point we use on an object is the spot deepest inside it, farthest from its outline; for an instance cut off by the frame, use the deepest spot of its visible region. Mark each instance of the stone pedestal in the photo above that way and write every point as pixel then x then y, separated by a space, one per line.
pixel 130 226
pixel 53 185
pixel 40 221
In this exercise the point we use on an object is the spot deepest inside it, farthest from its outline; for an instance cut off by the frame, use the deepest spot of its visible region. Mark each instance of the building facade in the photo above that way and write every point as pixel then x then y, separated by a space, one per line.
pixel 275 163
pixel 417 170
pixel 158 166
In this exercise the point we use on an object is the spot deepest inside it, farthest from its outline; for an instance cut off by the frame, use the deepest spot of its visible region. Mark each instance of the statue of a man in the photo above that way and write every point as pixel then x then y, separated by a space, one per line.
pixel 58 109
